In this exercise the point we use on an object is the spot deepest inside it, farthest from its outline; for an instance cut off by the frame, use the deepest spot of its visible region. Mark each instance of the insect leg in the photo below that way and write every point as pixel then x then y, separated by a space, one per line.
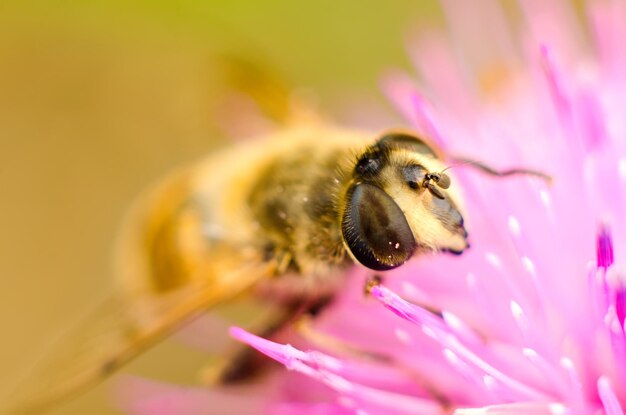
pixel 247 362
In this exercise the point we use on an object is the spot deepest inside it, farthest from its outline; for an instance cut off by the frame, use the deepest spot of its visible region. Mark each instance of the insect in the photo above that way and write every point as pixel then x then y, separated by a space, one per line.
pixel 279 220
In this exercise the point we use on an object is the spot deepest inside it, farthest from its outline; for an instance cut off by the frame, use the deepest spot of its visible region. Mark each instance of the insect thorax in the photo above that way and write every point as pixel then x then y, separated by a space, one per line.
pixel 294 203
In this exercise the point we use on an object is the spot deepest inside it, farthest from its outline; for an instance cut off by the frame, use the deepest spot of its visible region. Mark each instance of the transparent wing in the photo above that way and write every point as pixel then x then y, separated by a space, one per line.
pixel 116 332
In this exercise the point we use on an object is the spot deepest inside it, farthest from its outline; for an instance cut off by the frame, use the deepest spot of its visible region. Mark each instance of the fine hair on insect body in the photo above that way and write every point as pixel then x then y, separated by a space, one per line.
pixel 277 221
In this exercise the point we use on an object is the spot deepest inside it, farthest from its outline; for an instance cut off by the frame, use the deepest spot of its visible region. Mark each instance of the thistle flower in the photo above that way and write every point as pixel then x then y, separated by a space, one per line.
pixel 530 320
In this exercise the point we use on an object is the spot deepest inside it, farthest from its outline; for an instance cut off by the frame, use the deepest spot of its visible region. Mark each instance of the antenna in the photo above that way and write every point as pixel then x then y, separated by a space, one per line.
pixel 439 180
pixel 502 173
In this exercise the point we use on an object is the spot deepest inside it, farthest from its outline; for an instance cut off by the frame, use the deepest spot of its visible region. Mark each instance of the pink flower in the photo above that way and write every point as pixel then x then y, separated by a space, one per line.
pixel 530 320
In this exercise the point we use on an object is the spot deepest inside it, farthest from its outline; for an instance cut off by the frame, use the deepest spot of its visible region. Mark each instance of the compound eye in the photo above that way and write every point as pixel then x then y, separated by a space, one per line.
pixel 375 229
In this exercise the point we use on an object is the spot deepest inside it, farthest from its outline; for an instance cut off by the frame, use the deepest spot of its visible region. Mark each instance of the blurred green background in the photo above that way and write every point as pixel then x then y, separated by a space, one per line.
pixel 98 100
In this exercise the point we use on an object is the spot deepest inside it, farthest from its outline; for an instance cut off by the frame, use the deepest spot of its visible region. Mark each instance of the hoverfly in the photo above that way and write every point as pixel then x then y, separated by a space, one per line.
pixel 278 219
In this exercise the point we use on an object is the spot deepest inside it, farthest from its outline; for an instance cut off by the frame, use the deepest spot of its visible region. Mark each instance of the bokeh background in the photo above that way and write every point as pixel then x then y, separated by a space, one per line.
pixel 98 100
